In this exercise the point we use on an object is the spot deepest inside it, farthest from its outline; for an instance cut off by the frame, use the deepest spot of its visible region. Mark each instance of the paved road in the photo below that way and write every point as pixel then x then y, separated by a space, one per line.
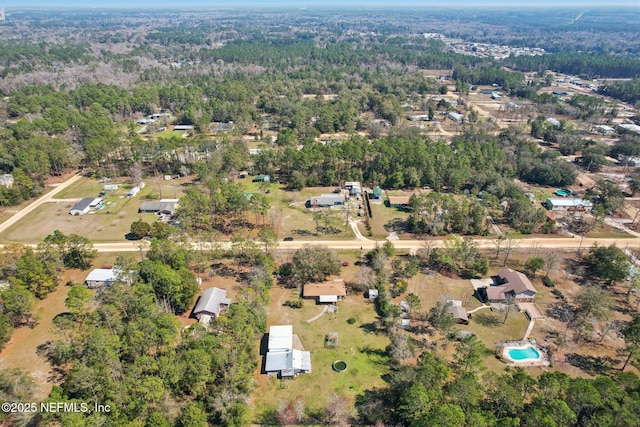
pixel 360 243
pixel 31 207
pixel 412 245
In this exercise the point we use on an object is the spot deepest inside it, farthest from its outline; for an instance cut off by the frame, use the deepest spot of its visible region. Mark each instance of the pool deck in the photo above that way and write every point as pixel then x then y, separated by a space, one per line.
pixel 542 361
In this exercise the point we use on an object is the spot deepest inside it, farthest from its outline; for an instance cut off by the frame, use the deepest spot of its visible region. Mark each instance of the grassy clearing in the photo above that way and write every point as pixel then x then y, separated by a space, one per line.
pixel 359 346
pixel 100 227
pixel 107 225
pixel 382 217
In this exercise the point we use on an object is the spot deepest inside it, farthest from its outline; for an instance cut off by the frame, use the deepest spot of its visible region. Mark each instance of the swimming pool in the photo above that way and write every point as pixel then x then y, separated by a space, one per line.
pixel 523 354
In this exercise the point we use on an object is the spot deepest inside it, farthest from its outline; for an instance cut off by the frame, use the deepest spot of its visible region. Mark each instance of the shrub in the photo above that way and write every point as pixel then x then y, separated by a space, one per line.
pixel 293 303
pixel 557 293
pixel 351 320
pixel 548 282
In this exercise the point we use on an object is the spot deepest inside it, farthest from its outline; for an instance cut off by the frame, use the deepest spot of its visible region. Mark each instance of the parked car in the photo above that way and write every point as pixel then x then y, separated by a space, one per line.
pixel 288 239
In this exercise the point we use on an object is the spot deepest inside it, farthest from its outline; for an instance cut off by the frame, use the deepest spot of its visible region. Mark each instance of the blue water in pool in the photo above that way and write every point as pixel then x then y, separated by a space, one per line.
pixel 527 353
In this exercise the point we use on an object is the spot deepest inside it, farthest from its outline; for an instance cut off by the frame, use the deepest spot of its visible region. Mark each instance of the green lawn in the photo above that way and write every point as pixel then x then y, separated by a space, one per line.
pixel 383 216
pixel 361 348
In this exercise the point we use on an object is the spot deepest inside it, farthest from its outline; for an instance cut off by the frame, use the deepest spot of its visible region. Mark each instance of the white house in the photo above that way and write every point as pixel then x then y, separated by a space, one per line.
pixel 101 277
pixel 82 207
pixel 282 358
pixel 326 200
pixel 567 204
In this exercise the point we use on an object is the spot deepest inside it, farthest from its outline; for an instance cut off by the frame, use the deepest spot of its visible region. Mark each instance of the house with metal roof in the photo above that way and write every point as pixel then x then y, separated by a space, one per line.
pixel 282 358
pixel 82 207
pixel 101 277
pixel 567 204
pixel 210 303
pixel 166 207
pixel 327 292
pixel 326 200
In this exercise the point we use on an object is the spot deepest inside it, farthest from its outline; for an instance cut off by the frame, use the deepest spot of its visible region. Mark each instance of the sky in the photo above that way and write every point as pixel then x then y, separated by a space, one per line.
pixel 311 3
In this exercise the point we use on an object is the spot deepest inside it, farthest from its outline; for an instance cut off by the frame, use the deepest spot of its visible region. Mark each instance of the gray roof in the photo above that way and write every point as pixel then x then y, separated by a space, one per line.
pixel 515 282
pixel 158 206
pixel 210 301
pixel 290 360
pixel 82 204
pixel 326 200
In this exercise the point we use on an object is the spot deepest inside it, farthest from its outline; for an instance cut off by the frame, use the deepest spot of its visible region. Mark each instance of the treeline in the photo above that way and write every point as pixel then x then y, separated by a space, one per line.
pixel 437 393
pixel 129 352
pixel 31 274
pixel 489 75
pixel 44 53
pixel 585 64
pixel 407 160
pixel 627 91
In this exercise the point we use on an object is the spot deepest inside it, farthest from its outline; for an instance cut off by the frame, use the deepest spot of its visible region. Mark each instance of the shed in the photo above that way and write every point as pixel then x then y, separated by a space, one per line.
pixel 459 313
pixel 377 193
pixel 210 304
pixel 82 207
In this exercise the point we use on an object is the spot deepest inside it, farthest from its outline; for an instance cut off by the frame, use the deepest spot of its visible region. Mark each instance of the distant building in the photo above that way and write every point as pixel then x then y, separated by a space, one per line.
pixel 262 178
pixel 456 117
pixel 604 130
pixel 183 128
pixel 418 118
pixel 210 303
pixel 354 188
pixel 376 194
pixel 135 190
pixel 553 122
pixel 101 277
pixel 326 200
pixel 6 180
pixel 629 128
pixel 399 201
pixel 164 207
pixel 567 204
pixel 82 207
pixel 110 187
